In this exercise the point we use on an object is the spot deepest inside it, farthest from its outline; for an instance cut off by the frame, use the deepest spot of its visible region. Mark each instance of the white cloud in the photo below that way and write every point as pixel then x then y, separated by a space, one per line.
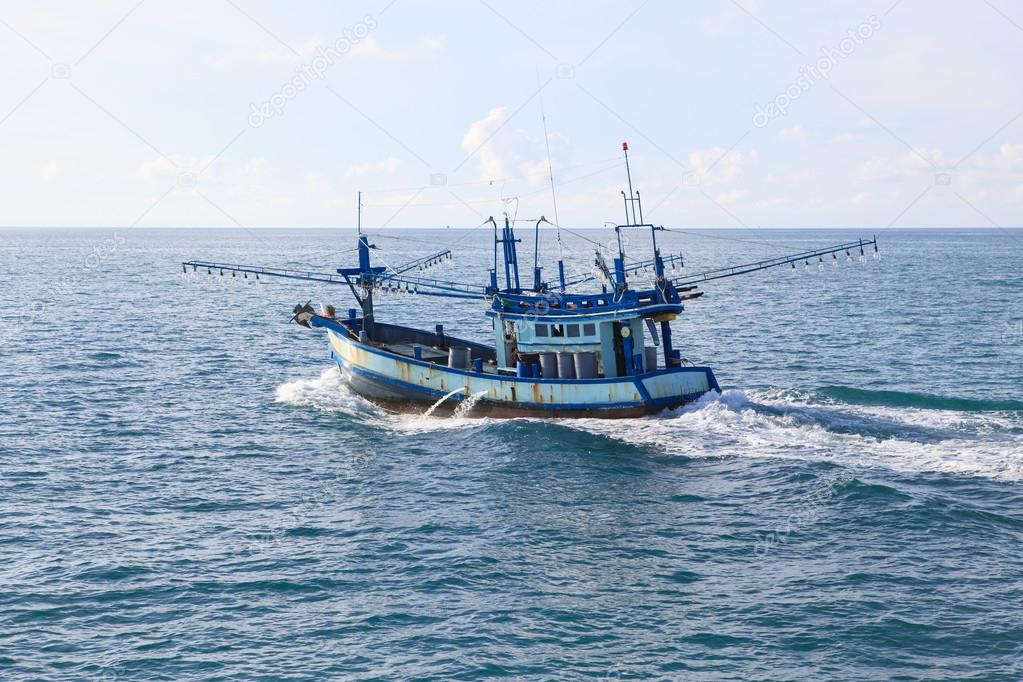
pixel 847 138
pixel 247 189
pixel 47 172
pixel 316 181
pixel 254 167
pixel 876 168
pixel 714 165
pixel 479 140
pixel 794 132
pixel 858 199
pixel 388 166
pixel 370 47
pixel 1009 157
pixel 507 153
pixel 728 198
pixel 174 165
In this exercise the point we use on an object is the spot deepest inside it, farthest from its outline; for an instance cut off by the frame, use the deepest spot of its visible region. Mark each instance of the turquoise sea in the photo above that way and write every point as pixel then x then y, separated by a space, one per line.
pixel 188 492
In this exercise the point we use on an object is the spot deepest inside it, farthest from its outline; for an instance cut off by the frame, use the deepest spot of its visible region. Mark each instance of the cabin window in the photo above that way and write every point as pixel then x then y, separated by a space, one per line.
pixel 557 330
pixel 573 330
pixel 541 330
pixel 589 329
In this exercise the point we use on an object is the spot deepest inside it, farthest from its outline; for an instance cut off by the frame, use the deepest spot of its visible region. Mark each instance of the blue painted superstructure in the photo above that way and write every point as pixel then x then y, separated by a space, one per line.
pixel 554 352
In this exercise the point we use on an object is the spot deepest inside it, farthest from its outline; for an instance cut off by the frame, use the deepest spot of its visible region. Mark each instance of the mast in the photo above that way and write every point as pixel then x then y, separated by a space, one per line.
pixel 511 262
pixel 536 255
pixel 493 272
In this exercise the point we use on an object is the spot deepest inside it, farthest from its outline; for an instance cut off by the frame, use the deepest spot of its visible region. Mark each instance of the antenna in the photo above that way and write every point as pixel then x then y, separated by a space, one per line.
pixel 360 212
pixel 554 196
pixel 633 197
pixel 550 169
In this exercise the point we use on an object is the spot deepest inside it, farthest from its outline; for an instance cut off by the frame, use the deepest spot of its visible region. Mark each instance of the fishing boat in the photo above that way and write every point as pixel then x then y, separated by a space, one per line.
pixel 557 351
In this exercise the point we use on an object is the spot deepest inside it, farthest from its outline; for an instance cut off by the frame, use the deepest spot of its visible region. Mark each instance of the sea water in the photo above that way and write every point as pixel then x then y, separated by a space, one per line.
pixel 188 491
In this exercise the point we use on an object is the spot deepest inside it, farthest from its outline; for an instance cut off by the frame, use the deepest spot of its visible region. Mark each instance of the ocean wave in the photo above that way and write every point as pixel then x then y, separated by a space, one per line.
pixel 860 396
pixel 779 423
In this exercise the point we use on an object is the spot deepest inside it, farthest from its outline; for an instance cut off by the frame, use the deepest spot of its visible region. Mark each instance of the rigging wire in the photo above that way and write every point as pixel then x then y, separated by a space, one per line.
pixel 773 245
pixel 547 142
pixel 492 181
pixel 605 169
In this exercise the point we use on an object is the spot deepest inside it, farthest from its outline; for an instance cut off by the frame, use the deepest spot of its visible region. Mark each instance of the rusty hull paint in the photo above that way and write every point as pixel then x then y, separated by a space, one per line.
pixel 501 397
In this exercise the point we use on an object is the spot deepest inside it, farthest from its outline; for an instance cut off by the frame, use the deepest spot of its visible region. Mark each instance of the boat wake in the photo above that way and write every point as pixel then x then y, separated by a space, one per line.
pixel 849 427
pixel 808 426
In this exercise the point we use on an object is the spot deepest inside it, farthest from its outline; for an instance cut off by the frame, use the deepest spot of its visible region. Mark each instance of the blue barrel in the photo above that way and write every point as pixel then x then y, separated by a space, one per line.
pixel 534 370
pixel 549 365
pixel 585 364
pixel 651 358
pixel 477 365
pixel 522 369
pixel 566 366
pixel 458 357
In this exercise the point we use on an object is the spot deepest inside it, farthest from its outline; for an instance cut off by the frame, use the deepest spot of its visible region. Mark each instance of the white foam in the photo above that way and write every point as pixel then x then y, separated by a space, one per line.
pixel 756 423
pixel 737 424
pixel 327 393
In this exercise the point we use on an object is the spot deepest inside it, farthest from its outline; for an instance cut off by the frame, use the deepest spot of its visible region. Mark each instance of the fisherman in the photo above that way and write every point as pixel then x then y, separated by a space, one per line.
pixel 330 311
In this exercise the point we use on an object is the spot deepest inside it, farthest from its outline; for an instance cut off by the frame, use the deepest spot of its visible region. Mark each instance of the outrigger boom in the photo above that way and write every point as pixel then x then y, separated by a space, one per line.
pixel 556 353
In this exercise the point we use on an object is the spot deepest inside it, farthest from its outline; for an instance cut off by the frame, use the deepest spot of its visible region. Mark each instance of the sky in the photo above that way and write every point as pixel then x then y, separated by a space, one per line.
pixel 744 113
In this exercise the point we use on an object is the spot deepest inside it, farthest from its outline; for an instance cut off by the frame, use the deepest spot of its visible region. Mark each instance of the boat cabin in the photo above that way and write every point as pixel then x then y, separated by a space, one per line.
pixel 591 335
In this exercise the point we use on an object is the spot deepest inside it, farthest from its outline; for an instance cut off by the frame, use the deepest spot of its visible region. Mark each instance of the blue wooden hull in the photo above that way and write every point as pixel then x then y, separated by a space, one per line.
pixel 405 384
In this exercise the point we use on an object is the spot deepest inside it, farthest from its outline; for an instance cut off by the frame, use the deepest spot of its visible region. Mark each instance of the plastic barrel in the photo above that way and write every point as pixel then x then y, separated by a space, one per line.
pixel 651 358
pixel 522 369
pixel 586 364
pixel 566 366
pixel 458 357
pixel 549 365
pixel 363 336
pixel 477 365
pixel 534 370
